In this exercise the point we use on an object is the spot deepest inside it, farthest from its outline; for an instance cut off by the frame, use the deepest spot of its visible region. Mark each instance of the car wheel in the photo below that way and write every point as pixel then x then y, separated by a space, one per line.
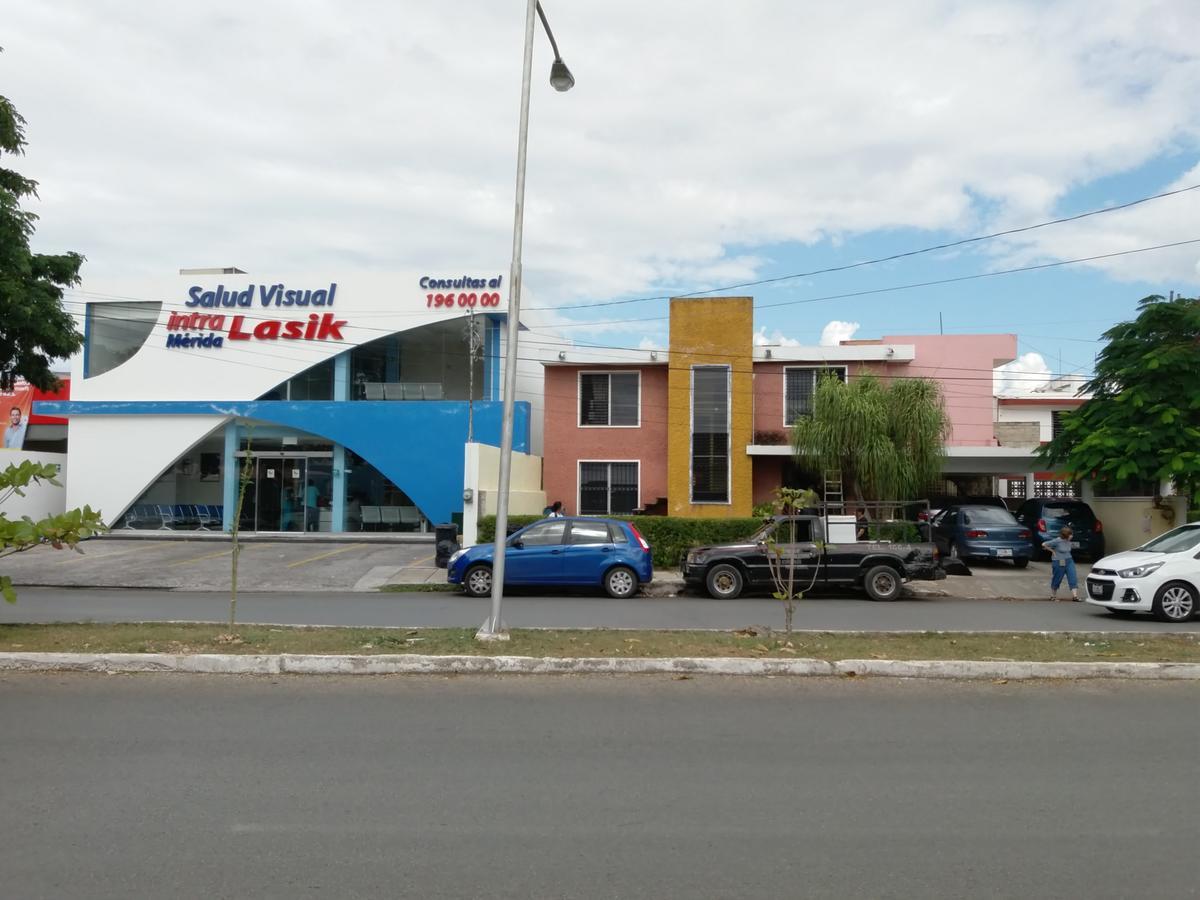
pixel 724 581
pixel 621 582
pixel 478 580
pixel 1175 602
pixel 883 583
pixel 1021 562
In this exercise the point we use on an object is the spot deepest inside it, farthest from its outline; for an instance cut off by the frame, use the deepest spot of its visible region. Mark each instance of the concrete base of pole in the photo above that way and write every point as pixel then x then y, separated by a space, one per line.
pixel 489 632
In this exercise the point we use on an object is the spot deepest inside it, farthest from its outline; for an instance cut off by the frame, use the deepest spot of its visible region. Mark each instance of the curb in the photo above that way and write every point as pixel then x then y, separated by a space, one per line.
pixel 411 664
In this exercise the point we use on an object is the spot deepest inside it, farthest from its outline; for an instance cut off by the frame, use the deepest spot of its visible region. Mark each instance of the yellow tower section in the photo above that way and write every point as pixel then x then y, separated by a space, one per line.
pixel 706 333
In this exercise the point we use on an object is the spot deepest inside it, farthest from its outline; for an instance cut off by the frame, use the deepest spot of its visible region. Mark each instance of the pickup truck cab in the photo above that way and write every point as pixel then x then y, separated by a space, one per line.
pixel 878 568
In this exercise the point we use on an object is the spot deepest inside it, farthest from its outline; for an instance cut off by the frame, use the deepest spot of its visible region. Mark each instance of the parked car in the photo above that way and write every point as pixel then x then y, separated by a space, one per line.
pixel 877 567
pixel 568 552
pixel 1162 576
pixel 1045 516
pixel 982 532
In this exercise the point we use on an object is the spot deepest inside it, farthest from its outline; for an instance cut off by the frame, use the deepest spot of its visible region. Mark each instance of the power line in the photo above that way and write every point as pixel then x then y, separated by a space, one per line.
pixel 883 259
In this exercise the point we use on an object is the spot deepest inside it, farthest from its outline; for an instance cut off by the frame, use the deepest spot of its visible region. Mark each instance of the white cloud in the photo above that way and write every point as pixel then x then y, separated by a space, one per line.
pixel 836 331
pixel 775 339
pixel 1163 221
pixel 1024 375
pixel 647 343
pixel 382 136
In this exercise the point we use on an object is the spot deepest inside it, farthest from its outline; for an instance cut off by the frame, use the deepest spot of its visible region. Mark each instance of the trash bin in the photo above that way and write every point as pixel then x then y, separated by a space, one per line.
pixel 445 539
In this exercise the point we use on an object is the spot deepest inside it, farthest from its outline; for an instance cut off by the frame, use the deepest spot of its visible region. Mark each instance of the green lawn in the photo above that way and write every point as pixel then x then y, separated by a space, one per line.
pixel 175 638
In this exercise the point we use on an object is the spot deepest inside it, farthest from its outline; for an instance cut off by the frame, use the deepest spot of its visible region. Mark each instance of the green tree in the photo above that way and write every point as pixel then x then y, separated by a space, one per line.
pixel 35 329
pixel 1142 422
pixel 782 551
pixel 65 530
pixel 886 439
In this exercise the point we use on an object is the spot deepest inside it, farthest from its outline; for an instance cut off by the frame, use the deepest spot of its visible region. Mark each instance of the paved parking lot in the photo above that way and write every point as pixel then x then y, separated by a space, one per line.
pixel 204 565
pixel 366 565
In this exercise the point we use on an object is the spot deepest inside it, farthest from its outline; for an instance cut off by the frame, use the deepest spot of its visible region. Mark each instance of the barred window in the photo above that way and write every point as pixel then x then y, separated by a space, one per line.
pixel 799 386
pixel 710 434
pixel 608 488
pixel 609 398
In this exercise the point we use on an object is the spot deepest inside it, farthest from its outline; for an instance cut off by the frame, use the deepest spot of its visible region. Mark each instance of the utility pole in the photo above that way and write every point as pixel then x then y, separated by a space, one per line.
pixel 561 79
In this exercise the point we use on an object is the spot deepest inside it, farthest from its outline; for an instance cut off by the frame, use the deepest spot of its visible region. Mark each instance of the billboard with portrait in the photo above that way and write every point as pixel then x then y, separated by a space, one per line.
pixel 15 406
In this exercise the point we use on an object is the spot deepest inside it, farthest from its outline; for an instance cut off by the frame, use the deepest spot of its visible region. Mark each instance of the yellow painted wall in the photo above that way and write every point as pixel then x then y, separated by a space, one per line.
pixel 1131 521
pixel 710 331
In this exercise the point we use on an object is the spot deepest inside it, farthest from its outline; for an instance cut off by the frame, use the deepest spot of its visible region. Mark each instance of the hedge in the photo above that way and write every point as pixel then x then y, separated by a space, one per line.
pixel 670 537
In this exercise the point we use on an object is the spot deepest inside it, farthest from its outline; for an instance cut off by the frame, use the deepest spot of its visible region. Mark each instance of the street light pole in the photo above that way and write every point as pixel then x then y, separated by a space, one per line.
pixel 493 628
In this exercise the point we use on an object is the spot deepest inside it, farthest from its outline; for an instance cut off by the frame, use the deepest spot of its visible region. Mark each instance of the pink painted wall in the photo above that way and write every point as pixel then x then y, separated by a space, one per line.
pixel 962 364
pixel 565 443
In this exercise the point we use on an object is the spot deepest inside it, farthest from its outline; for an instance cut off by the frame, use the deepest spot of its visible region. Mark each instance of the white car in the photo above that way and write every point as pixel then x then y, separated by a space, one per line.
pixel 1162 577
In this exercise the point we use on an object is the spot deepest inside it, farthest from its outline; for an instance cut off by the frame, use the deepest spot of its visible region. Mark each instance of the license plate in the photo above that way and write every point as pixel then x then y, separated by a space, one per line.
pixel 1096 590
pixel 1004 553
pixel 1074 545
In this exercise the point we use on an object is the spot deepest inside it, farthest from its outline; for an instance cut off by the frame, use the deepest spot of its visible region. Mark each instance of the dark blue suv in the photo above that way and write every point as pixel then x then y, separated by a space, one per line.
pixel 1045 516
pixel 568 552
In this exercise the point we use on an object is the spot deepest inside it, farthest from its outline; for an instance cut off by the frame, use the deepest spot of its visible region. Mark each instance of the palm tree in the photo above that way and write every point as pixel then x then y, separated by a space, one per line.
pixel 886 439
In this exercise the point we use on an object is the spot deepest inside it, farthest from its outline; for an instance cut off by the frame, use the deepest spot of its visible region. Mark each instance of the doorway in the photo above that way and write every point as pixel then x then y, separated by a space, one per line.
pixel 280 487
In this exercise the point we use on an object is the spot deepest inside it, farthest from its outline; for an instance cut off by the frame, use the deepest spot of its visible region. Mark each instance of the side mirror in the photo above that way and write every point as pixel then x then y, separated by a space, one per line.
pixel 517 544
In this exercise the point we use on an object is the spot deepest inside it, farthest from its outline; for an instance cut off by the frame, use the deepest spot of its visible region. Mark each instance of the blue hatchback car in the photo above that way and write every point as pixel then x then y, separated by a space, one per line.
pixel 961 532
pixel 568 552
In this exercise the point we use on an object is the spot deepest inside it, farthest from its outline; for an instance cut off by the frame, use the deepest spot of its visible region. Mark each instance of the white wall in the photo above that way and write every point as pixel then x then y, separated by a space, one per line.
pixel 482 478
pixel 115 458
pixel 40 500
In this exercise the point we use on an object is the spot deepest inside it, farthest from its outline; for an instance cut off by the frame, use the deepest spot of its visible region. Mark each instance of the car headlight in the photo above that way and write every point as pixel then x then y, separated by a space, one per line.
pixel 454 557
pixel 1140 571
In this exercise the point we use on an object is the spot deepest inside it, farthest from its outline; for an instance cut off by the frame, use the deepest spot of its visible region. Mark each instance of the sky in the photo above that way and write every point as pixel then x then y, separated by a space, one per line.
pixel 705 145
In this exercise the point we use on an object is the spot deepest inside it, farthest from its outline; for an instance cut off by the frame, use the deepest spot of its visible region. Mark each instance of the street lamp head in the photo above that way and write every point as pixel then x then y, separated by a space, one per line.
pixel 561 78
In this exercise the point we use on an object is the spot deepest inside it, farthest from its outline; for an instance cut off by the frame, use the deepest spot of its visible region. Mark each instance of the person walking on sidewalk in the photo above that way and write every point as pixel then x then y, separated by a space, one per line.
pixel 1062 564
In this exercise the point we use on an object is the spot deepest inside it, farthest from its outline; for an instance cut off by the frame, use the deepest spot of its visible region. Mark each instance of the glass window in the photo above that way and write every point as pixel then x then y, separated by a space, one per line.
pixel 543 534
pixel 609 398
pixel 590 533
pixel 710 434
pixel 1056 422
pixel 314 383
pixel 987 515
pixel 606 488
pixel 115 332
pixel 803 533
pixel 1176 541
pixel 799 386
pixel 1079 512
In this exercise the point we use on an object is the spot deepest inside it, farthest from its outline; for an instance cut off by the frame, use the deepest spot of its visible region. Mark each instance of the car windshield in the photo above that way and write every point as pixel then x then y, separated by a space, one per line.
pixel 987 515
pixel 1177 541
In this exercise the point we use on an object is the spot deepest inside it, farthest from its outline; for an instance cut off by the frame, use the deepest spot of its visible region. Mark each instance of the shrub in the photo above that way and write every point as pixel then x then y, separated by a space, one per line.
pixel 669 537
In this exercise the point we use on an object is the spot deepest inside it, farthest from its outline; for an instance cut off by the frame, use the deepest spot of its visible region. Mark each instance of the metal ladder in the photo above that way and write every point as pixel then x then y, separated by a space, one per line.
pixel 835 501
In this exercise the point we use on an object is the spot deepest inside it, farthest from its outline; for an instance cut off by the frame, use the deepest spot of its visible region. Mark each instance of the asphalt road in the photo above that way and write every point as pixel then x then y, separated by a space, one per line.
pixel 577 611
pixel 225 787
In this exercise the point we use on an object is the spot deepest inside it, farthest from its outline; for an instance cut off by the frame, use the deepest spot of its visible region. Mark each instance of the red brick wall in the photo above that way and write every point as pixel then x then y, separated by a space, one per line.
pixel 565 443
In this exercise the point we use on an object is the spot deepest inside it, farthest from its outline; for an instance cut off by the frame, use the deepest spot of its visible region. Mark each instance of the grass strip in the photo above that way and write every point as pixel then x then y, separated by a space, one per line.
pixel 180 638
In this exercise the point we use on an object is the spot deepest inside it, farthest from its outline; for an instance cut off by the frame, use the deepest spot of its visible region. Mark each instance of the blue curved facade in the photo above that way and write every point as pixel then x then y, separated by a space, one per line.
pixel 417 446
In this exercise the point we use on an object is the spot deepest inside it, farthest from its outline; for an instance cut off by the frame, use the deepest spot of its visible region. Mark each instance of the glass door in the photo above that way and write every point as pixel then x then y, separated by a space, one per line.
pixel 280 493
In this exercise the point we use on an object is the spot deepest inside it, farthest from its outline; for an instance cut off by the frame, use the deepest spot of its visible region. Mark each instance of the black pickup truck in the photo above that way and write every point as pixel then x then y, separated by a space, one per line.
pixel 879 568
